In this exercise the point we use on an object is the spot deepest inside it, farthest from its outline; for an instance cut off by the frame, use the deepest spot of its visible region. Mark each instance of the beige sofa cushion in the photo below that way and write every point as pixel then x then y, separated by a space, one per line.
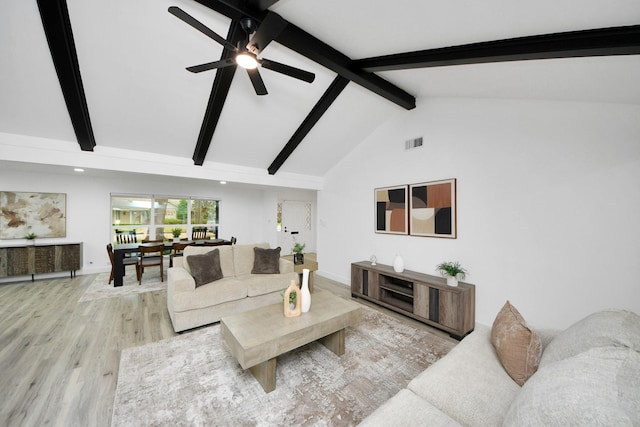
pixel 598 387
pixel 243 257
pixel 218 292
pixel 469 384
pixel 260 284
pixel 518 347
pixel 618 328
pixel 406 409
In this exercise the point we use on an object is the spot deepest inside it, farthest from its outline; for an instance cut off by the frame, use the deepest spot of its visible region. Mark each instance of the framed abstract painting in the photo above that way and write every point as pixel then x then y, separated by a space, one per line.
pixel 391 205
pixel 432 210
pixel 43 214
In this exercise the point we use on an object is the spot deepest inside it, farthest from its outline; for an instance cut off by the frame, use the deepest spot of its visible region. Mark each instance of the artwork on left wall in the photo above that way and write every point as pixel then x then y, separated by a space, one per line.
pixel 391 210
pixel 43 214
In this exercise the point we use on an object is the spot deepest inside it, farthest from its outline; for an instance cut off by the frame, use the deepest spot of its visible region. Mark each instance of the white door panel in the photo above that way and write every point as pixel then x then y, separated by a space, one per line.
pixel 296 225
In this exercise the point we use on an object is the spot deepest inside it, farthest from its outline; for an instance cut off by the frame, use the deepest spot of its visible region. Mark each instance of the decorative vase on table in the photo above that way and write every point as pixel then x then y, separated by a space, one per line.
pixel 306 294
pixel 298 258
pixel 290 311
pixel 452 281
pixel 398 264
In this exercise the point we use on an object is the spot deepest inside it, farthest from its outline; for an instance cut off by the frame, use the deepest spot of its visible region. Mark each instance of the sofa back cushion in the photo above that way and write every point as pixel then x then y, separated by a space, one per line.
pixel 598 387
pixel 226 258
pixel 619 328
pixel 243 257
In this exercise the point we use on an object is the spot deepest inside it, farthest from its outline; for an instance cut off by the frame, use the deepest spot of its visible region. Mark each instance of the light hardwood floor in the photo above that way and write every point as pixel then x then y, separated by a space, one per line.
pixel 59 358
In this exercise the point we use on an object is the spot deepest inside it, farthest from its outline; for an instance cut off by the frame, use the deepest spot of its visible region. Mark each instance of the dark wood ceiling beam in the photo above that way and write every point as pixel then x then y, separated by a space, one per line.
pixel 57 28
pixel 330 95
pixel 219 92
pixel 598 42
pixel 307 45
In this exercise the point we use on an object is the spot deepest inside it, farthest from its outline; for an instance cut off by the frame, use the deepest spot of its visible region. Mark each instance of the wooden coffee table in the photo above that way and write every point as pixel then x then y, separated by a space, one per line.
pixel 257 337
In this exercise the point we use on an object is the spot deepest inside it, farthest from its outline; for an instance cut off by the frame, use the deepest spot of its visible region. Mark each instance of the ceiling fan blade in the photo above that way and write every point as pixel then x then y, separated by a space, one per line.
pixel 272 25
pixel 184 16
pixel 256 81
pixel 288 70
pixel 212 65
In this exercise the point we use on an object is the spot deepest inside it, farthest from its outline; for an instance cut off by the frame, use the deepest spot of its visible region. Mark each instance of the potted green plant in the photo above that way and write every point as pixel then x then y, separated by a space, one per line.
pixel 292 298
pixel 31 238
pixel 298 256
pixel 176 234
pixel 452 271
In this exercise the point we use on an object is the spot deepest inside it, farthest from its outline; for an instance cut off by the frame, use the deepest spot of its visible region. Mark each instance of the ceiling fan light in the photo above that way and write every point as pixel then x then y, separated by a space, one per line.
pixel 245 60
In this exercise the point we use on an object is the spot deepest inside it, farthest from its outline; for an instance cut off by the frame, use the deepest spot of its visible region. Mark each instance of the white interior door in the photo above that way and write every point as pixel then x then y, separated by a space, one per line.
pixel 296 226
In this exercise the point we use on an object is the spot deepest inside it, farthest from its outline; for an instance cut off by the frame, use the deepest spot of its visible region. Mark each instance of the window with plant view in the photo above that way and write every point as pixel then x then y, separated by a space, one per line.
pixel 135 218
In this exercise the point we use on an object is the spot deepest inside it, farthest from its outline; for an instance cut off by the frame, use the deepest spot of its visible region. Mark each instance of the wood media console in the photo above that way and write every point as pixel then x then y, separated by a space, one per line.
pixel 40 259
pixel 420 296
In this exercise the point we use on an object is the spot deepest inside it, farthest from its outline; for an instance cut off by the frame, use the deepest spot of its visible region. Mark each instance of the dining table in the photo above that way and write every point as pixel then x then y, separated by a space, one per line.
pixel 120 250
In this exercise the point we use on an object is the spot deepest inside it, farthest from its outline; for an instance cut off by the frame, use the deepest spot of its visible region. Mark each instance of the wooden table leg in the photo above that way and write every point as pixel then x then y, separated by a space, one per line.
pixel 334 342
pixel 265 373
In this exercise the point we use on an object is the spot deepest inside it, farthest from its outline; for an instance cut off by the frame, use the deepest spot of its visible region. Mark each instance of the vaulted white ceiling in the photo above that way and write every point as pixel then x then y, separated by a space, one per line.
pixel 132 57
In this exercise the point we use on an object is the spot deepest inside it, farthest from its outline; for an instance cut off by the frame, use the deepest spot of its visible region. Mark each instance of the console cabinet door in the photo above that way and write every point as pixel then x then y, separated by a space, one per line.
pixel 421 300
pixel 449 309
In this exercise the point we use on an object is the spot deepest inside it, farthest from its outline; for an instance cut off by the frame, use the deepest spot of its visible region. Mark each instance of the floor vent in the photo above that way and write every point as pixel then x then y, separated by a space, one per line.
pixel 410 144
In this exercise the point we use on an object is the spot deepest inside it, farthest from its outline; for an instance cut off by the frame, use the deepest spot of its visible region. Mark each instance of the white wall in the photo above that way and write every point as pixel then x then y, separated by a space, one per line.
pixel 548 203
pixel 247 213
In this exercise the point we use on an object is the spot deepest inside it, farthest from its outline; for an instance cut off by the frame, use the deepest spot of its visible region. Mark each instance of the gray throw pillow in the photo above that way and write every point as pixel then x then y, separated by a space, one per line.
pixel 205 268
pixel 266 261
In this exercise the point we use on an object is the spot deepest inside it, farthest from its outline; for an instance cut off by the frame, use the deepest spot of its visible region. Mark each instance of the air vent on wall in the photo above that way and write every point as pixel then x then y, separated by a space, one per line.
pixel 410 144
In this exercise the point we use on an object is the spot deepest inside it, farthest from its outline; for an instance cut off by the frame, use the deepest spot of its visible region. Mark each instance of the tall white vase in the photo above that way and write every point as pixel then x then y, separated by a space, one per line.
pixel 398 264
pixel 306 295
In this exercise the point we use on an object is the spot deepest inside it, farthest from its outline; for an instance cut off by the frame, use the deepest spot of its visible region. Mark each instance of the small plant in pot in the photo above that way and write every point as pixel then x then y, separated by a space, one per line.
pixel 298 256
pixel 31 238
pixel 452 271
pixel 176 234
pixel 292 299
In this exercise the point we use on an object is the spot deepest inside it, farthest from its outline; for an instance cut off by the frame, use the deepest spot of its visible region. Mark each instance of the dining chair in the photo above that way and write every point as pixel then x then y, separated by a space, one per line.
pixel 150 256
pixel 198 233
pixel 233 240
pixel 125 262
pixel 178 250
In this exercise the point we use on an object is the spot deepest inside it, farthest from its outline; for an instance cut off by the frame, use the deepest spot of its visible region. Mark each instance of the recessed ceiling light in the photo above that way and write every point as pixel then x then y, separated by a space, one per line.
pixel 223 182
pixel 78 170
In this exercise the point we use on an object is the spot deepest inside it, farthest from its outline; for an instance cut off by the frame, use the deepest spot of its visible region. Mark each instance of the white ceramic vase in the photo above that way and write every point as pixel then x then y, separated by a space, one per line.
pixel 398 264
pixel 452 281
pixel 306 295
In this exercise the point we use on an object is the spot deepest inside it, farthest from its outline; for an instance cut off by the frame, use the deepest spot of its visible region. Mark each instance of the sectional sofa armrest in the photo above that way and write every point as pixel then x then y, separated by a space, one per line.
pixel 181 280
pixel 286 266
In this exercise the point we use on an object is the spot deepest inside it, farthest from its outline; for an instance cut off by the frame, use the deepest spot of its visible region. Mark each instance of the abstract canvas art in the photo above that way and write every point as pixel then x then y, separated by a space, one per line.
pixel 432 210
pixel 43 214
pixel 391 210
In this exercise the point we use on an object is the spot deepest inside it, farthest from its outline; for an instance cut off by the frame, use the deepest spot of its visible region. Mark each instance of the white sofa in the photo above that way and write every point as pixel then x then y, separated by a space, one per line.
pixel 239 290
pixel 589 374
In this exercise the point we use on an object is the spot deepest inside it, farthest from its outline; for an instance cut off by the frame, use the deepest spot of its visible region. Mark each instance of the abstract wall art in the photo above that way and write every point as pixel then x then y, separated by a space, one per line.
pixel 391 205
pixel 43 214
pixel 432 210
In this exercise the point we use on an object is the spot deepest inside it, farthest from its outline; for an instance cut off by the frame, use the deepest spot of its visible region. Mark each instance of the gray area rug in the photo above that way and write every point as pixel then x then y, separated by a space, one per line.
pixel 100 287
pixel 191 380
